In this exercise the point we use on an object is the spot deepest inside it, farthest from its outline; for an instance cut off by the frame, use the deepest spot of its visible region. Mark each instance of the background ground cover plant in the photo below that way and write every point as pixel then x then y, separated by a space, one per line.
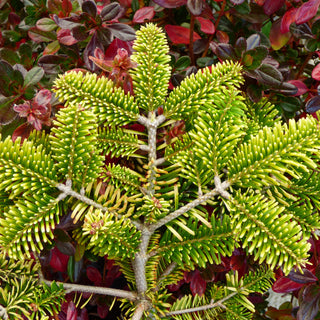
pixel 276 43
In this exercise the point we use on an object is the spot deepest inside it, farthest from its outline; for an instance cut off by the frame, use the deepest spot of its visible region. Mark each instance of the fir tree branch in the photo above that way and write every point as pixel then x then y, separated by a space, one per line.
pixel 67 191
pixel 70 287
pixel 205 307
pixel 219 189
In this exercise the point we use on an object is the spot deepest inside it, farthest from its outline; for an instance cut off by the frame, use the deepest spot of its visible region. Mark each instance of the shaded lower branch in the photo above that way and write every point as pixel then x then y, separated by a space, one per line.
pixel 132 296
pixel 211 305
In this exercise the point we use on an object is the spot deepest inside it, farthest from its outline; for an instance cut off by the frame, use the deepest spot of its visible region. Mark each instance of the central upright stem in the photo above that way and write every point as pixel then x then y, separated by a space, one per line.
pixel 141 257
pixel 152 142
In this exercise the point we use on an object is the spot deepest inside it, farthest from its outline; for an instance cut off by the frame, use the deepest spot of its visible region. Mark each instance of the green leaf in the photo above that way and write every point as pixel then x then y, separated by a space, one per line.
pixel 33 76
pixel 182 63
pixel 46 24
pixel 9 55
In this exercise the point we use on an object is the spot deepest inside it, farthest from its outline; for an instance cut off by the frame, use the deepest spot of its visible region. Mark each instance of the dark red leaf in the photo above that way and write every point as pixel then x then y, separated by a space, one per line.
pixel 102 311
pixel 197 284
pixel 51 59
pixel 122 31
pixel 64 36
pixel 145 13
pixel 179 34
pixel 206 25
pixel 240 46
pixel 66 23
pixel 273 62
pixel 72 312
pixel 89 51
pixel 271 6
pixel 83 314
pixel 115 45
pixel 283 314
pixel 195 6
pixel 304 278
pixel 13 18
pixel 66 7
pixel 254 92
pixel 222 36
pixel 307 11
pixel 6 77
pixel 125 3
pixel 22 131
pixel 302 88
pixel 313 104
pixel 113 273
pixel 59 261
pixel 110 11
pixel 90 8
pixel 66 248
pixel 237 261
pixel 285 285
pixel 170 3
pixel 269 75
pixel 316 72
pixel 61 235
pixel 54 6
pixel 104 36
pixel 309 302
pixel 7 114
pixel 288 18
pixel 94 275
pixel 225 51
pixel 79 33
pixel 288 88
pixel 176 286
pixel 39 36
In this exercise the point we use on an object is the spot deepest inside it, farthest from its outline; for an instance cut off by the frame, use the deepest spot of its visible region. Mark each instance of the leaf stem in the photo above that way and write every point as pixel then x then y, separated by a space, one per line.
pixel 221 13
